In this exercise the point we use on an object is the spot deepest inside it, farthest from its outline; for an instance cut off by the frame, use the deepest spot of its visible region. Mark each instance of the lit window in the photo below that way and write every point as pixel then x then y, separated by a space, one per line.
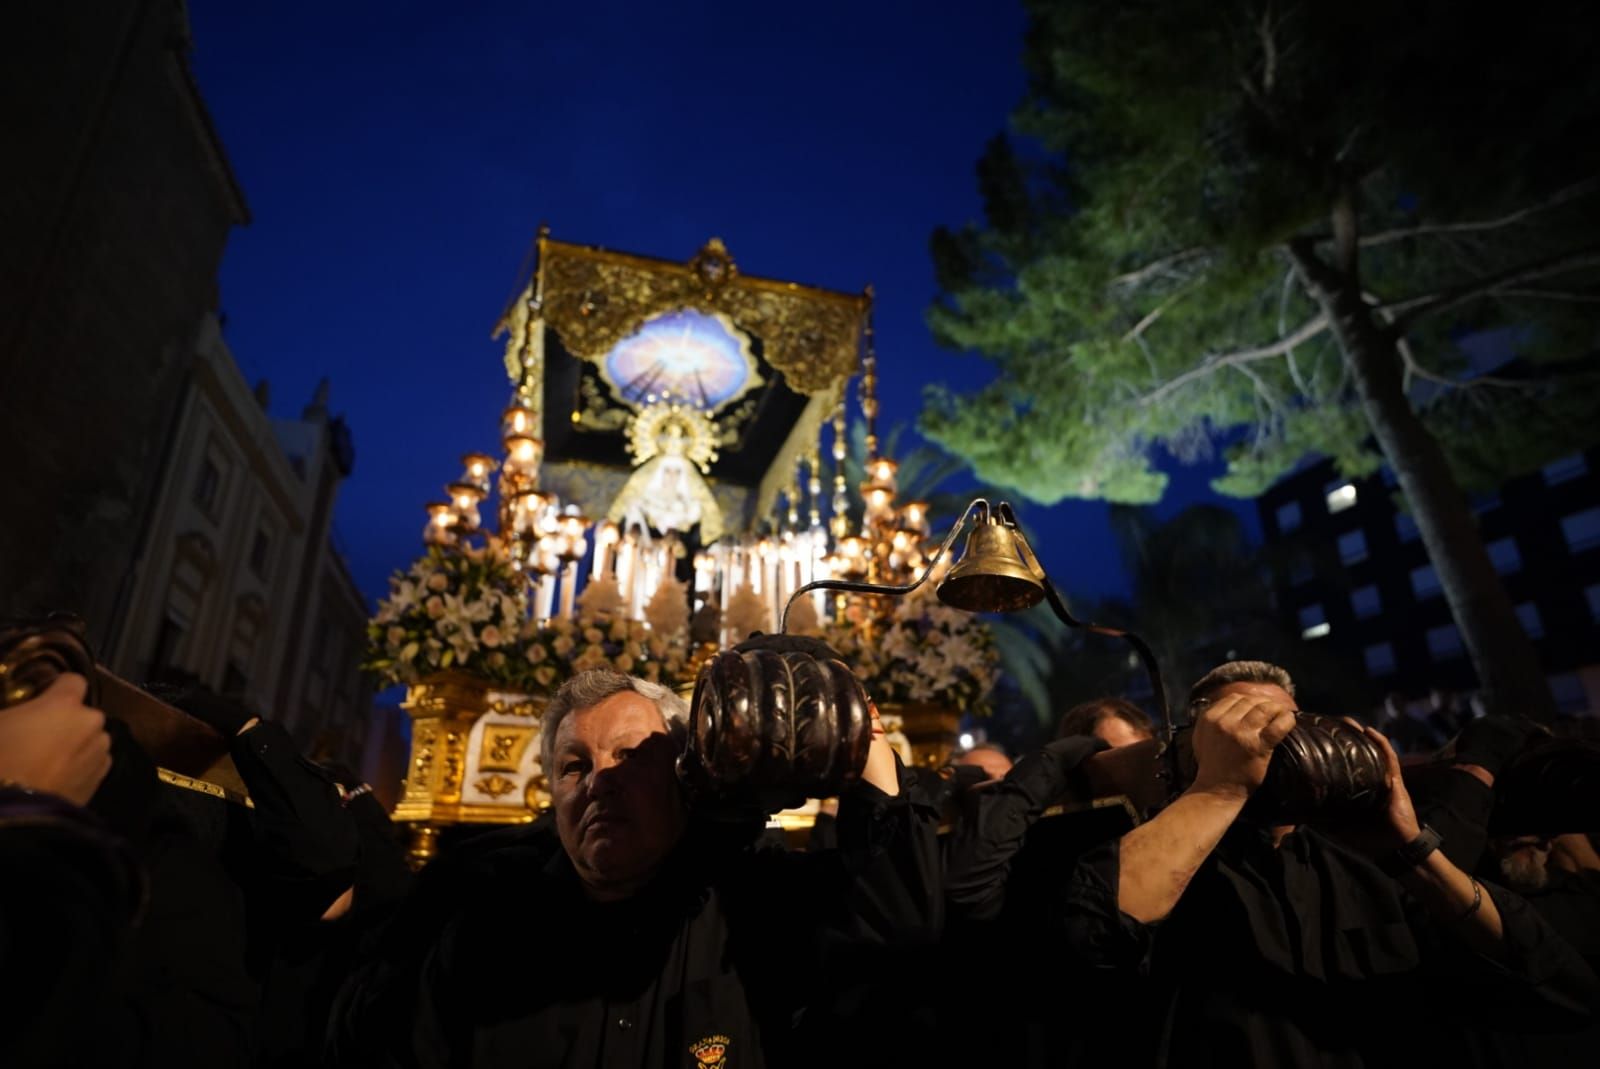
pixel 1593 594
pixel 1313 621
pixel 1380 659
pixel 1424 581
pixel 1504 556
pixel 1582 529
pixel 1288 517
pixel 1365 602
pixel 1567 689
pixel 1560 471
pixel 1405 526
pixel 1528 616
pixel 1444 642
pixel 1341 497
pixel 1353 547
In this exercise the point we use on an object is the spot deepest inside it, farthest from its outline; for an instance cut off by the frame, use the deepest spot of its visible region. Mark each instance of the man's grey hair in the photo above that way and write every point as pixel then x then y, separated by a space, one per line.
pixel 588 689
pixel 1239 672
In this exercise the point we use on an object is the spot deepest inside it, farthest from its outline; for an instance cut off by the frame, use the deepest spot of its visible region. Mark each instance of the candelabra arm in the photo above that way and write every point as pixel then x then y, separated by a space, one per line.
pixel 852 586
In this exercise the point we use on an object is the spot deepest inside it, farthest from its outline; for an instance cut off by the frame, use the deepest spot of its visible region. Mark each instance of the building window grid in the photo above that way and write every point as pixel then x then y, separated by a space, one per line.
pixel 1504 555
pixel 1365 602
pixel 1568 467
pixel 1581 529
pixel 1425 582
pixel 1528 616
pixel 1379 659
pixel 1339 496
pixel 1353 547
pixel 1444 642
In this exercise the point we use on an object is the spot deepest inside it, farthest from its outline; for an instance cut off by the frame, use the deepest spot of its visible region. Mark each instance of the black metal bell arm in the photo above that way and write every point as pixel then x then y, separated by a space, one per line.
pixel 1147 656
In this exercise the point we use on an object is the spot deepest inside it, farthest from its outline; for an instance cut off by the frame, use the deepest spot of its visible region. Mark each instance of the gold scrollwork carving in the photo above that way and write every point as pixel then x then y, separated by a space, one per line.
pixel 422 762
pixel 495 785
pixel 453 764
pixel 503 747
pixel 594 298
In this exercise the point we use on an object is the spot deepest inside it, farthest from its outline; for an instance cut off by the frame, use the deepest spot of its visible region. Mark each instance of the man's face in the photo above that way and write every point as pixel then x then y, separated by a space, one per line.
pixel 618 811
pixel 1116 731
pixel 994 763
pixel 1268 691
pixel 1524 861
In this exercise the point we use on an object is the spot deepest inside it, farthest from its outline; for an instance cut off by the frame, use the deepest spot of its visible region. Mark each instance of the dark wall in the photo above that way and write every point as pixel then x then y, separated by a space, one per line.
pixel 117 205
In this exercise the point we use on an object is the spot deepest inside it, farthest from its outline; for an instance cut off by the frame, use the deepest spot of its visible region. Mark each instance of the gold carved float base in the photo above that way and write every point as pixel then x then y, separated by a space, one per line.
pixel 474 758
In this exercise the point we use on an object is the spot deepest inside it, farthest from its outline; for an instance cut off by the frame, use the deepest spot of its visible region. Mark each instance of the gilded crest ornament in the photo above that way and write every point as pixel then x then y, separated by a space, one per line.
pixel 672 429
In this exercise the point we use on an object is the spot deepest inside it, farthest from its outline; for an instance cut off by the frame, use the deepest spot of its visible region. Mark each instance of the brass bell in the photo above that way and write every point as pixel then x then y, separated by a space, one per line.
pixel 993 575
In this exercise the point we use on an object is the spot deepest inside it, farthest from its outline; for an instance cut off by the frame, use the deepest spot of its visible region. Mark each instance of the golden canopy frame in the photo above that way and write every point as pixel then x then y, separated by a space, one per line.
pixel 594 298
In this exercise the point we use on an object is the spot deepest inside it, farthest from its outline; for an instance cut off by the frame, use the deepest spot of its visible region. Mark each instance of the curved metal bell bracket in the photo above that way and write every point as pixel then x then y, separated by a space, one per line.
pixel 999 573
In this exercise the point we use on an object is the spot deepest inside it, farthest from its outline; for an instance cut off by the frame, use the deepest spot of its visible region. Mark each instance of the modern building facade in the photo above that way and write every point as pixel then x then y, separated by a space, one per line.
pixel 1352 572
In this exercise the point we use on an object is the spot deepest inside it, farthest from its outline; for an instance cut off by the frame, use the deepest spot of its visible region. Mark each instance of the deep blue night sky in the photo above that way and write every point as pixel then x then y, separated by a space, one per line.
pixel 398 157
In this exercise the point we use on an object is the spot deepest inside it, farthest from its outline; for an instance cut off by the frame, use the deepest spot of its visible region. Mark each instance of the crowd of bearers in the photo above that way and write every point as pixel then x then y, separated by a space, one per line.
pixel 936 917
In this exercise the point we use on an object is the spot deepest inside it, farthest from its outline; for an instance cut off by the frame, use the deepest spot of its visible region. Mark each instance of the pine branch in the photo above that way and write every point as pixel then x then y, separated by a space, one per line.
pixel 1410 310
pixel 1154 314
pixel 1573 192
pixel 1308 330
pixel 1552 295
pixel 1155 267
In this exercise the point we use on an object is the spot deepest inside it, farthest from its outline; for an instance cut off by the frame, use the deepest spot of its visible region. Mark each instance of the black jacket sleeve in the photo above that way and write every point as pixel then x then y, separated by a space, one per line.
pixel 1457 805
pixel 996 818
pixel 880 886
pixel 69 897
pixel 308 844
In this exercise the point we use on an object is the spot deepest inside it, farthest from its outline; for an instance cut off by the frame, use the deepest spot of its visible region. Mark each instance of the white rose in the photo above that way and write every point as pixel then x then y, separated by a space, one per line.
pixel 562 644
pixel 438 582
pixel 435 607
pixel 489 636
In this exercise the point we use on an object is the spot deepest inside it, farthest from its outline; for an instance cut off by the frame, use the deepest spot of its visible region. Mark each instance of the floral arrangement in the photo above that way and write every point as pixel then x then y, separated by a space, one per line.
pixel 455 608
pixel 466 609
pixel 552 653
pixel 924 651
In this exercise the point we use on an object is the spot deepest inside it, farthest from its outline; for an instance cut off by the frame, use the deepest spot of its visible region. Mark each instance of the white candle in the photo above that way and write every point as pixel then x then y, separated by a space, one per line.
pixel 547 594
pixel 625 555
pixel 569 587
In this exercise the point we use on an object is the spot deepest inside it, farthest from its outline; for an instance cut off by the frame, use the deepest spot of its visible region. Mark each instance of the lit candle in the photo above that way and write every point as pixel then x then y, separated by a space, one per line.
pixel 518 419
pixel 605 536
pixel 477 468
pixel 625 561
pixel 569 587
pixel 547 595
